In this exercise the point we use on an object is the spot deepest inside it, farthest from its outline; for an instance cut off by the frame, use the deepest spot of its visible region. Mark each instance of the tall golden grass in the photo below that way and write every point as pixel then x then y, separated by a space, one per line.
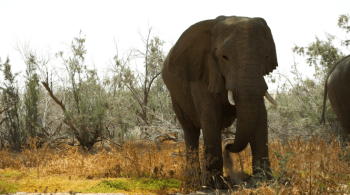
pixel 313 167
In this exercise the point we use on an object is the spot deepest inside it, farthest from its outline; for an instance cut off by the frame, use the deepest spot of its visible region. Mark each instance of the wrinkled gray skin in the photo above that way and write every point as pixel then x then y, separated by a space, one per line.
pixel 338 87
pixel 210 58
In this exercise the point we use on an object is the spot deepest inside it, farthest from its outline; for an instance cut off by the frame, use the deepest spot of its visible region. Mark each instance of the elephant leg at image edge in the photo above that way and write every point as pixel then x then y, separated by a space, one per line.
pixel 343 114
pixel 211 123
pixel 191 134
pixel 339 101
pixel 213 155
pixel 259 147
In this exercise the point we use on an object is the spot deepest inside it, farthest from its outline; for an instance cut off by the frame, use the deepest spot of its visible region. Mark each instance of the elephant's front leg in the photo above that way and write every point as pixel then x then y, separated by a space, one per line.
pixel 211 128
pixel 259 147
pixel 212 143
pixel 209 112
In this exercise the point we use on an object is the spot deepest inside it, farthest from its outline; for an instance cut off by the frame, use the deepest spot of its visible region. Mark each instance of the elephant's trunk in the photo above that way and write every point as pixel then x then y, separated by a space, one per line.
pixel 248 95
pixel 247 117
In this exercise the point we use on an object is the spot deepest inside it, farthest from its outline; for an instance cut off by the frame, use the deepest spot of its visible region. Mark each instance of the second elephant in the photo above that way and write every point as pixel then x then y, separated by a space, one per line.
pixel 337 86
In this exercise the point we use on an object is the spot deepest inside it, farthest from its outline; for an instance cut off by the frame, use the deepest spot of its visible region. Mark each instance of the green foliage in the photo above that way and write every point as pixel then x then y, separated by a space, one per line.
pixel 14 133
pixel 344 155
pixel 6 187
pixel 153 59
pixel 119 184
pixel 140 85
pixel 343 24
pixel 31 97
pixel 135 184
pixel 12 173
pixel 141 98
pixel 86 101
pixel 322 55
pixel 300 104
pixel 300 98
pixel 281 174
pixel 124 105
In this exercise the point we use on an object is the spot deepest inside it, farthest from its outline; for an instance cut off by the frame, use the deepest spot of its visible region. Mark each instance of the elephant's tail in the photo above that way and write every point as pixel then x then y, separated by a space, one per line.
pixel 324 103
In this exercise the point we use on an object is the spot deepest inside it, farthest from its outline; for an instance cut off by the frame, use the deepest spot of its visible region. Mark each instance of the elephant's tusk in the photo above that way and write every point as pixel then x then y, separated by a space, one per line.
pixel 230 98
pixel 268 97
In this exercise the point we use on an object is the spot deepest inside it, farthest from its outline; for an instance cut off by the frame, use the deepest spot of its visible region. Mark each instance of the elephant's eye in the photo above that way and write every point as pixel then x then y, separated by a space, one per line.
pixel 225 57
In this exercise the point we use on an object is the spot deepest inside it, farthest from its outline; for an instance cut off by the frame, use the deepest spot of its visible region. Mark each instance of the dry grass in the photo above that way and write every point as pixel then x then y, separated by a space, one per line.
pixel 313 167
pixel 34 168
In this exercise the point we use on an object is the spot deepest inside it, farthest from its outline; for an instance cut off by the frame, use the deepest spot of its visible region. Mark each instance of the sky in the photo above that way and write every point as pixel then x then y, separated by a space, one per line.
pixel 51 25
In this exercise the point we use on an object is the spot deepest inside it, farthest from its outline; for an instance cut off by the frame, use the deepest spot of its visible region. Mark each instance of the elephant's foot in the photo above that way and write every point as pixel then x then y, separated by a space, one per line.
pixel 253 182
pixel 262 171
pixel 192 178
pixel 220 182
pixel 217 182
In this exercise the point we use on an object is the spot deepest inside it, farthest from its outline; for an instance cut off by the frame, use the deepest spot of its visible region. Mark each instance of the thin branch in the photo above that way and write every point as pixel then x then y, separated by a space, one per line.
pixel 53 96
pixel 12 103
pixel 150 83
pixel 135 95
pixel 146 68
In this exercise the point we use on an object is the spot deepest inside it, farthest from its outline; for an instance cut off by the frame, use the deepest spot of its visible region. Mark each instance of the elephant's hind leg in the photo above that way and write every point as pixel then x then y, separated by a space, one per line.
pixel 339 97
pixel 191 134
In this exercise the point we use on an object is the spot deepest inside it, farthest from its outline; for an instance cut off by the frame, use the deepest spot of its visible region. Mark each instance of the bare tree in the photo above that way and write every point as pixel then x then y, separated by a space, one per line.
pixel 140 83
pixel 85 102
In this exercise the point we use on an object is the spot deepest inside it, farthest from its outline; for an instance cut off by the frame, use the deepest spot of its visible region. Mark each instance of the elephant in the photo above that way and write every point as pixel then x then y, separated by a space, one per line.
pixel 214 74
pixel 337 85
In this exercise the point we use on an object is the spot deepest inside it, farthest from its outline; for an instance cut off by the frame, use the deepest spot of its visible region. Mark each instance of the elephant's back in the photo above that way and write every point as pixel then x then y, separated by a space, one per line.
pixel 338 85
pixel 340 77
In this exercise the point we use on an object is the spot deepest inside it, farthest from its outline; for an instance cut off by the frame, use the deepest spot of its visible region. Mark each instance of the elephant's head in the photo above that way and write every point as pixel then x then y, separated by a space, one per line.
pixel 231 54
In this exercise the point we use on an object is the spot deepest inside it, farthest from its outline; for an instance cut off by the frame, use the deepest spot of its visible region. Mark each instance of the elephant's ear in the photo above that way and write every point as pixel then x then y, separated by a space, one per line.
pixel 189 56
pixel 216 80
pixel 271 60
